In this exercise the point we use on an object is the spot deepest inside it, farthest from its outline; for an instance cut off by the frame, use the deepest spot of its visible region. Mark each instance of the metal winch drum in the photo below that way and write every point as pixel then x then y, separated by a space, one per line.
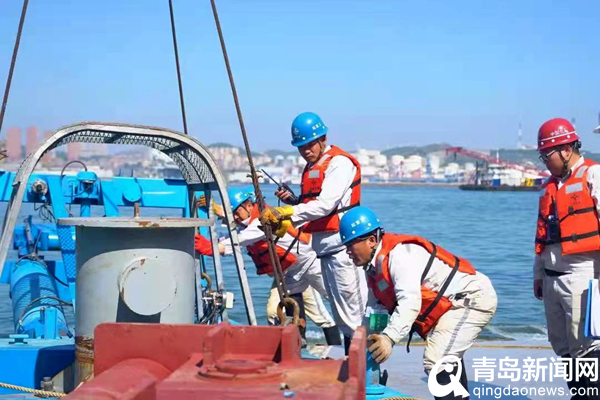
pixel 131 270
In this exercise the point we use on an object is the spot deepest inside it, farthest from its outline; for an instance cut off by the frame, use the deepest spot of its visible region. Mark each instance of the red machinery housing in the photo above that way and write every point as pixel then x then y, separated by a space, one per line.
pixel 160 361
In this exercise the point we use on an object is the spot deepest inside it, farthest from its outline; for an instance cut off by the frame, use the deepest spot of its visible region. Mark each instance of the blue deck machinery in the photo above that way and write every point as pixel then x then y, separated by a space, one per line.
pixel 37 260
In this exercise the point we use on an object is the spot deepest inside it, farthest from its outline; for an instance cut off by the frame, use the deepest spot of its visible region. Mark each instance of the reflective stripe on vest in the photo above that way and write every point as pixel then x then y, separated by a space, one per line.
pixel 574 208
pixel 312 184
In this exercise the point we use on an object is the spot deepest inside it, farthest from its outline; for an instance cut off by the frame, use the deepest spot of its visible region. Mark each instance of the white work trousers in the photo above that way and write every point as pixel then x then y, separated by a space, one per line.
pixel 457 329
pixel 565 300
pixel 313 306
pixel 297 280
pixel 347 289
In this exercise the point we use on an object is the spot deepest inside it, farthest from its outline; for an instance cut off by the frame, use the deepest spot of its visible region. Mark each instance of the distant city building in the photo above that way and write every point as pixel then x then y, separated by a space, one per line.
pixel 51 155
pixel 369 171
pixel 73 151
pixel 239 177
pixel 397 160
pixel 87 150
pixel 363 159
pixel 380 160
pixel 412 164
pixel 14 147
pixel 469 167
pixel 101 149
pixel 93 149
pixel 452 169
pixel 228 157
pixel 370 157
pixel 292 160
pixel 433 162
pixel 32 140
pixel 283 166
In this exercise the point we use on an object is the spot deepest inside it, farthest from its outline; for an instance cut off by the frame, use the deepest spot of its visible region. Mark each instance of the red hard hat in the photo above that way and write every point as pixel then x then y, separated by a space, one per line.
pixel 556 132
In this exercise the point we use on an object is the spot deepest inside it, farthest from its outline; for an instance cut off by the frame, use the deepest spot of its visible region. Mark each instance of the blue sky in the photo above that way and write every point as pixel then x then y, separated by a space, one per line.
pixel 380 73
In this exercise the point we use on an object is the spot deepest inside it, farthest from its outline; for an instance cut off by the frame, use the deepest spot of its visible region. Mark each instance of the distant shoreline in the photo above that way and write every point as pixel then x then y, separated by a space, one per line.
pixel 414 184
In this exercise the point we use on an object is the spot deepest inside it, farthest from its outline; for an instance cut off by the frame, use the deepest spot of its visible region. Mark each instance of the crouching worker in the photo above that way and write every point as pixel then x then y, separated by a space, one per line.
pixel 301 268
pixel 425 289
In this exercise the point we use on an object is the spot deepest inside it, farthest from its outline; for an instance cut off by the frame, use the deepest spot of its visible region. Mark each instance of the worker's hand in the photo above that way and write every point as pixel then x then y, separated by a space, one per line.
pixel 284 195
pixel 538 287
pixel 283 228
pixel 203 245
pixel 218 209
pixel 381 347
pixel 274 215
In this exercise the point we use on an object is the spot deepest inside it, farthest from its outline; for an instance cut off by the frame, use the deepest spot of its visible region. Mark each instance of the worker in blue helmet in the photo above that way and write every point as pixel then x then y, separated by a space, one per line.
pixel 306 128
pixel 302 269
pixel 330 187
pixel 426 289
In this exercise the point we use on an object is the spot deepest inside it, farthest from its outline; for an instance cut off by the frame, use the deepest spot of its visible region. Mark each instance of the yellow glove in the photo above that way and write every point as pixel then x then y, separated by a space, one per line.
pixel 201 201
pixel 283 228
pixel 381 349
pixel 218 209
pixel 275 215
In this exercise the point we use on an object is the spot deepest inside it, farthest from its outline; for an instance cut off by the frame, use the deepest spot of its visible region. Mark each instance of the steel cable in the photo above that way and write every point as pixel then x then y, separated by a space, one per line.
pixel 13 62
pixel 278 273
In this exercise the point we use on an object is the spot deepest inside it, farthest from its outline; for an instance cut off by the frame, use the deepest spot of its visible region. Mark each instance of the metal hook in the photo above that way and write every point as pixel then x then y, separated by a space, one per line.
pixel 205 276
pixel 295 315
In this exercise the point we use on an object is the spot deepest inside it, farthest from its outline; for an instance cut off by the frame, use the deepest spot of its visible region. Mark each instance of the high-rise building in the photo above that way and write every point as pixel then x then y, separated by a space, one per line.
pixel 101 149
pixel 13 144
pixel 73 151
pixel 32 140
pixel 48 134
pixel 51 155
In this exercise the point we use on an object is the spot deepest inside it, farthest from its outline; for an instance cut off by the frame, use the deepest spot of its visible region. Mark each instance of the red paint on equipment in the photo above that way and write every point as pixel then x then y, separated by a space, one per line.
pixel 160 361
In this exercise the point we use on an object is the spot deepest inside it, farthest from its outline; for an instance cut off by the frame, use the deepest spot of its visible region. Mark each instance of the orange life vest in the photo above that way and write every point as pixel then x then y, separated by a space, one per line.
pixel 572 212
pixel 259 251
pixel 433 304
pixel 312 184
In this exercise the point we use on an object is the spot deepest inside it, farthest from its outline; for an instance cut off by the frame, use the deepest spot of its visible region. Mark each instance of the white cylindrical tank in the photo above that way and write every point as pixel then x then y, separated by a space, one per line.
pixel 380 160
pixel 131 270
pixel 451 169
pixel 368 170
pixel 413 163
pixel 363 159
pixel 434 163
pixel 397 159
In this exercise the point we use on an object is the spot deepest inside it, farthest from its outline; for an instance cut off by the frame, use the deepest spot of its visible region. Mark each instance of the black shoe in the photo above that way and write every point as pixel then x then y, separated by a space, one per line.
pixel 573 384
pixel 587 389
pixel 444 378
pixel 347 341
pixel 383 378
pixel 332 336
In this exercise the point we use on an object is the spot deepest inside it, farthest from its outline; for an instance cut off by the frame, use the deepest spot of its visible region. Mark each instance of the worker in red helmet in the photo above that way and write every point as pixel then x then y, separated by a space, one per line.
pixel 567 242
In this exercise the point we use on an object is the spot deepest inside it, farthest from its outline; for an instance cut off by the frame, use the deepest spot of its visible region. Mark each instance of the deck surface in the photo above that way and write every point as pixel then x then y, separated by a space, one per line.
pixel 407 376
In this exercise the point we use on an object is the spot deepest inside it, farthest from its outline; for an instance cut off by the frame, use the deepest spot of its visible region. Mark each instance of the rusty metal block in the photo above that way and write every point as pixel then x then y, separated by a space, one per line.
pixel 158 361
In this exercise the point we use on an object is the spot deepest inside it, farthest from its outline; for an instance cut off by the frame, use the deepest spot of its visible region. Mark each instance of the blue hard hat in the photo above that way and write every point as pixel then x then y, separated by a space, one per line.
pixel 307 127
pixel 237 196
pixel 358 222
